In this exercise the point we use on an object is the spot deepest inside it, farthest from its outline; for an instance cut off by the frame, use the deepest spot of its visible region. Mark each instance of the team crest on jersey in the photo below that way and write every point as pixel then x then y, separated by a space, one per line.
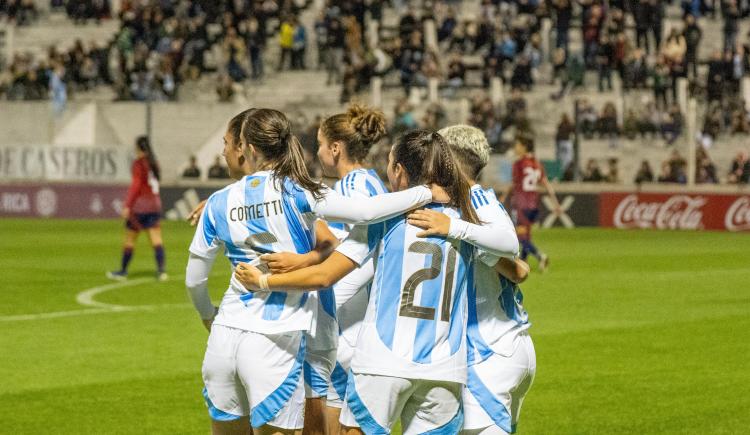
pixel 255 183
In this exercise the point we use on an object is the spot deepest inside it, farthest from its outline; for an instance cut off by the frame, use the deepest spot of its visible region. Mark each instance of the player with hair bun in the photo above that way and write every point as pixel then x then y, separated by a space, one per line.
pixel 253 364
pixel 142 210
pixel 410 357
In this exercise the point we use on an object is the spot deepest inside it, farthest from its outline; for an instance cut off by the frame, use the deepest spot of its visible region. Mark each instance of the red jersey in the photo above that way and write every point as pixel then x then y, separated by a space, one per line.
pixel 143 194
pixel 527 173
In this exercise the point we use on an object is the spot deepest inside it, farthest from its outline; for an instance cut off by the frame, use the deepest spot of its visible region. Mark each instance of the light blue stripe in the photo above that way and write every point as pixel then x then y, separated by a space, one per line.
pixel 452 427
pixel 376 177
pixel 424 340
pixel 209 232
pixel 365 420
pixel 339 380
pixel 475 341
pixel 464 267
pixel 328 301
pixel 371 190
pixel 274 305
pixel 314 380
pixel 352 182
pixel 474 201
pixel 389 284
pixel 219 212
pixel 215 413
pixel 488 401
pixel 272 404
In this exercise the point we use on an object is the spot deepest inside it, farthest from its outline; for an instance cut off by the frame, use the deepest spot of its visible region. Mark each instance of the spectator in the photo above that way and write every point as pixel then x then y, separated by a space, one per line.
pixel 299 45
pixel 740 172
pixel 563 142
pixel 255 40
pixel 660 77
pixel 286 41
pixel 645 174
pixel 731 13
pixel 613 172
pixel 604 62
pixel 217 170
pixel 192 171
pixel 592 174
pixel 607 122
pixel 705 170
pixel 225 89
pixel 692 34
pixel 563 15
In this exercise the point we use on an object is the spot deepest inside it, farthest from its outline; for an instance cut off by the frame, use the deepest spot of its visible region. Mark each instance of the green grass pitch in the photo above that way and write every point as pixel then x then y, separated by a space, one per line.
pixel 635 332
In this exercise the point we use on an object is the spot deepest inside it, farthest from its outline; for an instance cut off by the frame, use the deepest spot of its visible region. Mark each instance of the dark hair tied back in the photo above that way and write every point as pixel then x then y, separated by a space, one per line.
pixel 269 131
pixel 427 159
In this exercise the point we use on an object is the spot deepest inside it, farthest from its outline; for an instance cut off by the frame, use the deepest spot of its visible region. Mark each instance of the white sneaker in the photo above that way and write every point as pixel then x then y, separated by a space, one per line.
pixel 117 275
pixel 543 262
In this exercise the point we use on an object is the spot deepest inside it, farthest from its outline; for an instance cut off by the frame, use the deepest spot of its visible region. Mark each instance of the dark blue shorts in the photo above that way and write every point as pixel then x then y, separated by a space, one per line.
pixel 527 217
pixel 142 221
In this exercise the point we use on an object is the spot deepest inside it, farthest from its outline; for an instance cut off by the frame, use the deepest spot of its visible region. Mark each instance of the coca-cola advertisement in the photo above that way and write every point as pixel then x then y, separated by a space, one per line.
pixel 679 211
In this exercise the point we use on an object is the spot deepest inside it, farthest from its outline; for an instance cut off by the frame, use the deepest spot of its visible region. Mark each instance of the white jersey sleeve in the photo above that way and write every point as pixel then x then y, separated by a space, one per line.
pixel 496 237
pixel 361 243
pixel 196 281
pixel 335 207
pixel 206 242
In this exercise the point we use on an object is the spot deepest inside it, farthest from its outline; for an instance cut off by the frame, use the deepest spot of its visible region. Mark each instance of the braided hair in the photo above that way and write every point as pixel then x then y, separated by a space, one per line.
pixel 427 159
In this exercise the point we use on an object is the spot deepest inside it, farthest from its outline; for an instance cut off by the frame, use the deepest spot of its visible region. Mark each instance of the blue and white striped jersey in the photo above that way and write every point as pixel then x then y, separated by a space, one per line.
pixel 496 313
pixel 248 218
pixel 415 325
pixel 350 291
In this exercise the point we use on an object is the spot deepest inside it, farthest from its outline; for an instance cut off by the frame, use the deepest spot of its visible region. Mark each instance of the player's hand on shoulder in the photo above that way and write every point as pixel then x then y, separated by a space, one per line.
pixel 248 276
pixel 434 223
pixel 195 215
pixel 282 262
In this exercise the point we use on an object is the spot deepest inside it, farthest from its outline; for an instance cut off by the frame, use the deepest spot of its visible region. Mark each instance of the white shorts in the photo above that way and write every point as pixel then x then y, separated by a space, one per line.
pixel 375 403
pixel 317 368
pixel 247 373
pixel 340 374
pixel 496 387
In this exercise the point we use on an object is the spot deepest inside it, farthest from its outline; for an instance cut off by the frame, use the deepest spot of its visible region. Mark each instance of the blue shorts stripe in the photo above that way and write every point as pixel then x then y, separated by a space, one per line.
pixel 314 380
pixel 452 427
pixel 488 401
pixel 215 413
pixel 339 380
pixel 271 405
pixel 361 414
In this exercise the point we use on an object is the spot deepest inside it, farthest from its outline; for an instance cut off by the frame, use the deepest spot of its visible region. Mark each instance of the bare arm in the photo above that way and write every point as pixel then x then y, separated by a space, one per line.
pixel 515 270
pixel 322 275
pixel 325 243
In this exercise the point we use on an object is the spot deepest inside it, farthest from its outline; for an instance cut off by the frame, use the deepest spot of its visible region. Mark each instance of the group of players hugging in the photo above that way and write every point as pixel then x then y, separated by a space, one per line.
pixel 351 308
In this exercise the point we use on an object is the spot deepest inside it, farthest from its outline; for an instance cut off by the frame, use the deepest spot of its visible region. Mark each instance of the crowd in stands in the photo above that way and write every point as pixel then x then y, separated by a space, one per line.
pixel 18 12
pixel 160 45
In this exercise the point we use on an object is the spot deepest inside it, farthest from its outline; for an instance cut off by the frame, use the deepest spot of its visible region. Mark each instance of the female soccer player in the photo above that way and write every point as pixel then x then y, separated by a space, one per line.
pixel 142 210
pixel 502 360
pixel 255 352
pixel 344 142
pixel 410 357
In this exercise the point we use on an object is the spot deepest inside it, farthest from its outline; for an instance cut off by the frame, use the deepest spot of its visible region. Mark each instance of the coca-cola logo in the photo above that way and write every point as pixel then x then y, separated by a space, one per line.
pixel 678 212
pixel 738 215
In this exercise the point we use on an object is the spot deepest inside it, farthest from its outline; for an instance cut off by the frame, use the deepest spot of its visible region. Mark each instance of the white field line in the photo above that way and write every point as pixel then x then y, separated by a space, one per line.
pixel 86 298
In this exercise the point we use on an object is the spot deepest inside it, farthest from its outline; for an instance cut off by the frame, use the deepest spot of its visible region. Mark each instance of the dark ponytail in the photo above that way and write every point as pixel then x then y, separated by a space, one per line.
pixel 144 145
pixel 270 133
pixel 428 159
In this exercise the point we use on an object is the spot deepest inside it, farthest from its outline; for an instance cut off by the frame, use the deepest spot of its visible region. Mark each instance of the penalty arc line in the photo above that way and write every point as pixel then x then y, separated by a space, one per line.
pixel 86 298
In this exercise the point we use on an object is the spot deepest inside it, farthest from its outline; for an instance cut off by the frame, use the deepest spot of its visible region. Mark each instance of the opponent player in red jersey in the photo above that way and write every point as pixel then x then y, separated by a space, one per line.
pixel 528 172
pixel 142 209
